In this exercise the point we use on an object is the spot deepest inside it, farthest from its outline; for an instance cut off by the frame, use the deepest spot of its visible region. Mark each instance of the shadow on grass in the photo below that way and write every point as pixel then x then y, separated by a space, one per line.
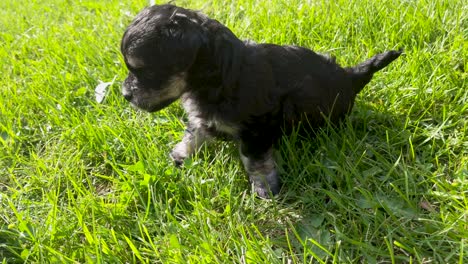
pixel 359 191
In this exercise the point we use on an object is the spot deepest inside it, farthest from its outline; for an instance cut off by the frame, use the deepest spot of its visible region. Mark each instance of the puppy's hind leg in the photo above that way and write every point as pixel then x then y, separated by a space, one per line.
pixel 260 166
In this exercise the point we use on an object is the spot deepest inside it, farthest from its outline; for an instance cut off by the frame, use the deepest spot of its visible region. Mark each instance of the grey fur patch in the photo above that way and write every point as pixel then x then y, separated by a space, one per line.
pixel 262 174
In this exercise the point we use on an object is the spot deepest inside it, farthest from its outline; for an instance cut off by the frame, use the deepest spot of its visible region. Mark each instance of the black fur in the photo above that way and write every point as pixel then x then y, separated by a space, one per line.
pixel 246 91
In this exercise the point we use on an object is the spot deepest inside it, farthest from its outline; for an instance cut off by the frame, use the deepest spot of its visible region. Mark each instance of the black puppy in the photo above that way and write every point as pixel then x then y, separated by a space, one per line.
pixel 241 90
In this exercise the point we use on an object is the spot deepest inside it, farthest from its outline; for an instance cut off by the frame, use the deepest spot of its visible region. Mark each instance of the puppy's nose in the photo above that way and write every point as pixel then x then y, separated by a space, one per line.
pixel 127 93
pixel 128 96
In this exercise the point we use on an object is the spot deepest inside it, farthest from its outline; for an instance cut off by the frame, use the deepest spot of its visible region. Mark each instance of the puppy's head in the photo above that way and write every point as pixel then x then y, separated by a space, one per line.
pixel 159 47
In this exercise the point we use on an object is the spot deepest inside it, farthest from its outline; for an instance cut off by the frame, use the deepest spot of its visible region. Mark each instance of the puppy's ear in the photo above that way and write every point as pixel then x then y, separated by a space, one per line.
pixel 187 39
pixel 228 56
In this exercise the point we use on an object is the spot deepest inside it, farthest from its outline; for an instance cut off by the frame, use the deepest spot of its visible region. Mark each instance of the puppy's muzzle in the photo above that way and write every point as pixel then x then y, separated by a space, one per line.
pixel 127 90
pixel 127 94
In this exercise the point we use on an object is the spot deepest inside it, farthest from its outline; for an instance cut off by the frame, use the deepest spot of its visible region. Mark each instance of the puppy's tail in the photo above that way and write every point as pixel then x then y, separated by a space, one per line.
pixel 363 72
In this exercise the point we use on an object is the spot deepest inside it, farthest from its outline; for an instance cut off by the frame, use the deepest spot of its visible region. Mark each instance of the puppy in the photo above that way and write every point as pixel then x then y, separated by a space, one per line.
pixel 233 89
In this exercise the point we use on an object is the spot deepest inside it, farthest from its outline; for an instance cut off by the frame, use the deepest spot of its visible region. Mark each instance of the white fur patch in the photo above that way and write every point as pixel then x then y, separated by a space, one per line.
pixel 185 16
pixel 225 127
pixel 175 86
pixel 135 62
pixel 191 108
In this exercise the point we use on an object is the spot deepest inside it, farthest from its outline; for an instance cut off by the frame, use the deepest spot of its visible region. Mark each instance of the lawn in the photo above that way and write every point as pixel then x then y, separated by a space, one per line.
pixel 87 181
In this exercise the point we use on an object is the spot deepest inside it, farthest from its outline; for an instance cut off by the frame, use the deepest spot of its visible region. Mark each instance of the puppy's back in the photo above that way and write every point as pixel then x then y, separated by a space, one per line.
pixel 308 83
pixel 314 85
pixel 291 64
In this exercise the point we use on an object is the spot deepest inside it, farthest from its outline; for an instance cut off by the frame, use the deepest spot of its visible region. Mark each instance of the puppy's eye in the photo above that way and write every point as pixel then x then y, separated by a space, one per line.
pixel 143 73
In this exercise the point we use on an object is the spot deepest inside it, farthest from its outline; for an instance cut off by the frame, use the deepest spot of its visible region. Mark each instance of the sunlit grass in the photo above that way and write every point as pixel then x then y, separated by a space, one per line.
pixel 82 181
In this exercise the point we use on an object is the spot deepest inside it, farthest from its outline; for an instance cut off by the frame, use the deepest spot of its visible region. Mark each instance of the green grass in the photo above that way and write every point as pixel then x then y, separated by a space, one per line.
pixel 82 181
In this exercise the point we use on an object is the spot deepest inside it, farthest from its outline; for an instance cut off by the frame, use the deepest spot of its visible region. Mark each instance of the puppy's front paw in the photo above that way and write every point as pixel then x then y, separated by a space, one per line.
pixel 179 153
pixel 177 158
